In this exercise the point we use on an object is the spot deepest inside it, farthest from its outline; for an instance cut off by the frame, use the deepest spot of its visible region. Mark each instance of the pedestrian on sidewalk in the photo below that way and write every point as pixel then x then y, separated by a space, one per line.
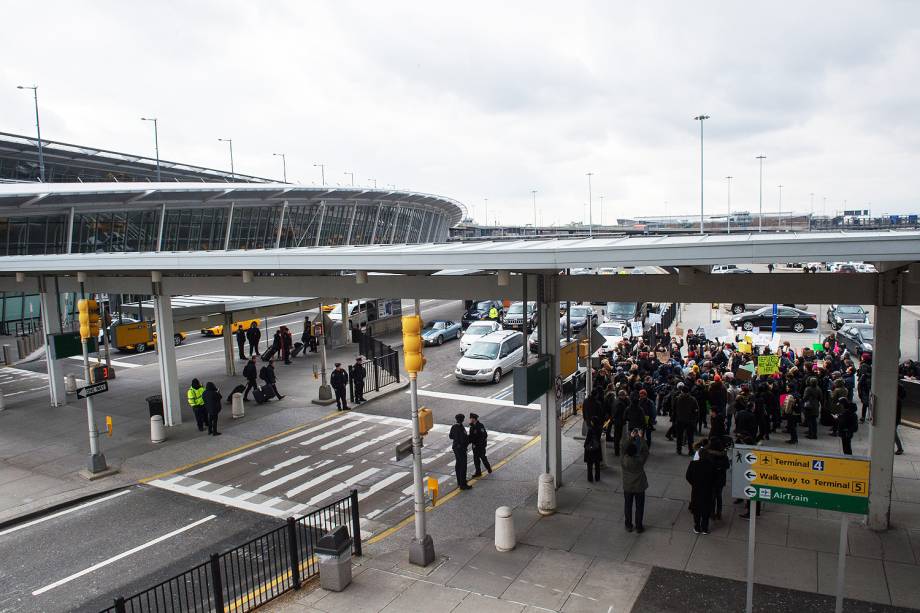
pixel 253 335
pixel 716 451
pixel 635 481
pixel 250 372
pixel 619 419
pixel 196 401
pixel 339 380
pixel 287 343
pixel 685 415
pixel 358 374
pixel 267 374
pixel 811 399
pixel 307 337
pixel 592 446
pixel 701 475
pixel 478 441
pixel 212 404
pixel 241 342
pixel 460 442
pixel 847 424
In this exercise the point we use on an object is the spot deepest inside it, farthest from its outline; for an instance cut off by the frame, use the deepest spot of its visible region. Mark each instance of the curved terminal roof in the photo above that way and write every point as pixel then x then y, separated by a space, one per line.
pixel 37 198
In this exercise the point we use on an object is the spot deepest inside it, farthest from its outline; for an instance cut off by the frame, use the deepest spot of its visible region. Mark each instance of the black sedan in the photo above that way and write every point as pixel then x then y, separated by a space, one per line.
pixel 787 318
pixel 479 310
pixel 856 338
pixel 839 315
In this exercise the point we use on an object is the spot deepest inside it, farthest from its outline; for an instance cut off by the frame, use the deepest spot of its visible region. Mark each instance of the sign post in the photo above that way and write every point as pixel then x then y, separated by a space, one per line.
pixel 823 481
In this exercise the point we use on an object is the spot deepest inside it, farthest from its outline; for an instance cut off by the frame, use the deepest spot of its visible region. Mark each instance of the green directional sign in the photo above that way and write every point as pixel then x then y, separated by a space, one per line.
pixel 801 498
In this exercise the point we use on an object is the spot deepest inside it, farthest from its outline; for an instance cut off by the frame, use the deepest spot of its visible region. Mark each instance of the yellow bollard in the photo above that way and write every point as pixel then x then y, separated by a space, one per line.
pixel 433 489
pixel 108 424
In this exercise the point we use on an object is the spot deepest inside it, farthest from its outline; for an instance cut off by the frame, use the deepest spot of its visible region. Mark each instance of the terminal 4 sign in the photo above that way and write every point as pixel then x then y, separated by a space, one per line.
pixel 823 481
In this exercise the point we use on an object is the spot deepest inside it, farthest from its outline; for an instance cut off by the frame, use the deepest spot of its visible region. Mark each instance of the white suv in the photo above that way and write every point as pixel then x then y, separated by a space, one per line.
pixel 475 331
pixel 490 357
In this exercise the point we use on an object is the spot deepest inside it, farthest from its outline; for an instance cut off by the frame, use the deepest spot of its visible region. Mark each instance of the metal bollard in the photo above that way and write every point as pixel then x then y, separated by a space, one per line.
pixel 546 495
pixel 70 384
pixel 21 347
pixel 7 354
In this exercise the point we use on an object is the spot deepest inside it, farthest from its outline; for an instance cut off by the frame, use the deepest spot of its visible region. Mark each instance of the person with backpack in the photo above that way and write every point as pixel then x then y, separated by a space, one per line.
pixel 792 414
pixel 267 374
pixel 212 405
pixel 593 449
pixel 847 424
pixel 478 441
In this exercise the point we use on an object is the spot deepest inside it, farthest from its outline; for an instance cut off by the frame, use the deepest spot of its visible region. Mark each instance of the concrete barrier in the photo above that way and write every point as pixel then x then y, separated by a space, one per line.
pixel 70 384
pixel 238 409
pixel 505 539
pixel 157 429
pixel 546 495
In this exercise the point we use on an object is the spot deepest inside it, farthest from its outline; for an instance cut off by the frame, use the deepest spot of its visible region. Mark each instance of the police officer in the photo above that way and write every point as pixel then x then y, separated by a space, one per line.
pixel 241 342
pixel 478 440
pixel 196 401
pixel 339 380
pixel 493 313
pixel 358 374
pixel 253 335
pixel 461 442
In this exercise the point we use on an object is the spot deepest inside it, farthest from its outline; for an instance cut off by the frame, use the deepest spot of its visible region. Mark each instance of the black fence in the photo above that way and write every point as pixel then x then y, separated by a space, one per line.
pixel 668 314
pixel 368 346
pixel 381 371
pixel 252 574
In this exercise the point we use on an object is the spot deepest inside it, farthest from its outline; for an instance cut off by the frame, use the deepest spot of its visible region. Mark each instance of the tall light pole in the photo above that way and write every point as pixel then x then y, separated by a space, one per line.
pixel 701 119
pixel 38 129
pixel 375 182
pixel 780 205
pixel 352 177
pixel 590 211
pixel 486 201
pixel 533 193
pixel 602 210
pixel 283 164
pixel 156 142
pixel 760 157
pixel 729 219
pixel 230 142
pixel 322 173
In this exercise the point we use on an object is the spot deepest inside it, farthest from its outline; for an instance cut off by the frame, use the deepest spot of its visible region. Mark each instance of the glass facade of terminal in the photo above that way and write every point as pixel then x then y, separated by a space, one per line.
pixel 205 228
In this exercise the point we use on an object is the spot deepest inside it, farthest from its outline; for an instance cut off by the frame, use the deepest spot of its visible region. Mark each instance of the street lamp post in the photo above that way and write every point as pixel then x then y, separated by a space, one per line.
pixel 230 142
pixel 38 129
pixel 533 193
pixel 375 182
pixel 352 175
pixel 283 165
pixel 156 142
pixel 590 211
pixel 780 221
pixel 701 119
pixel 760 157
pixel 602 210
pixel 486 201
pixel 729 218
pixel 322 173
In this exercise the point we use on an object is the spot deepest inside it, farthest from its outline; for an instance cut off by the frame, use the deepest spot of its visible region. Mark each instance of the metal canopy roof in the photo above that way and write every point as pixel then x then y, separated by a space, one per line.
pixel 699 250
pixel 37 198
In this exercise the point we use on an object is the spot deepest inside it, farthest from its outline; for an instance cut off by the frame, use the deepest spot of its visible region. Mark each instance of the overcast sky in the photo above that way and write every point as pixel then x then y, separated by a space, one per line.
pixel 476 100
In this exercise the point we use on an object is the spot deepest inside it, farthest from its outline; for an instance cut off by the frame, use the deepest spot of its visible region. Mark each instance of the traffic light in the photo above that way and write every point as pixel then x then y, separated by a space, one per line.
pixel 89 319
pixel 412 343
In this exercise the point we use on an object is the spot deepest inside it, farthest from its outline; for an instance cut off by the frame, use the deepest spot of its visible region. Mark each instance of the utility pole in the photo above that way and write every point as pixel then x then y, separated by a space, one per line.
pixel 38 129
pixel 156 142
pixel 701 119
pixel 89 328
pixel 729 219
pixel 602 210
pixel 486 201
pixel 533 193
pixel 760 157
pixel 230 142
pixel 590 208
pixel 283 164
pixel 322 173
pixel 780 222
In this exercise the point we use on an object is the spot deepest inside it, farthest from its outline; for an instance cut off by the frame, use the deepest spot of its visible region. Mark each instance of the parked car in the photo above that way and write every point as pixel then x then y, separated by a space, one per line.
pixel 479 311
pixel 857 338
pixel 613 334
pixel 625 312
pixel 840 314
pixel 514 318
pixel 218 330
pixel 439 330
pixel 580 314
pixel 846 269
pixel 533 339
pixel 741 307
pixel 490 357
pixel 788 318
pixel 722 268
pixel 475 331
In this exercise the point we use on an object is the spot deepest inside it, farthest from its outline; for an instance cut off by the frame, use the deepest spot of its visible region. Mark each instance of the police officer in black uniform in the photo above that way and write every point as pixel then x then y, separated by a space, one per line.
pixel 358 374
pixel 461 441
pixel 339 381
pixel 478 439
pixel 241 342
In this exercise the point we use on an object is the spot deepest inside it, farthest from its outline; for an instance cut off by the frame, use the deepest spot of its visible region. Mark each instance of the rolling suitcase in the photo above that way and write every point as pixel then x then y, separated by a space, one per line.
pixel 239 389
pixel 259 397
pixel 298 347
pixel 269 353
pixel 268 391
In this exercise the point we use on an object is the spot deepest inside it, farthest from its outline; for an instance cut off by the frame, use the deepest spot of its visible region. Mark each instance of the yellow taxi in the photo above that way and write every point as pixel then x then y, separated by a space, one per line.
pixel 218 330
pixel 135 337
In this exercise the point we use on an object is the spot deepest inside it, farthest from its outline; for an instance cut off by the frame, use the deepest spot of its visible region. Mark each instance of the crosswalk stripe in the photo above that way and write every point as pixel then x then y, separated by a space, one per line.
pixel 383 483
pixel 345 439
pixel 284 464
pixel 292 476
pixel 373 441
pixel 342 486
pixel 317 480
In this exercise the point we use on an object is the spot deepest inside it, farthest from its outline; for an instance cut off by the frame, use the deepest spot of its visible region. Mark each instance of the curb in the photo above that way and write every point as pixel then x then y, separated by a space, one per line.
pixel 59 506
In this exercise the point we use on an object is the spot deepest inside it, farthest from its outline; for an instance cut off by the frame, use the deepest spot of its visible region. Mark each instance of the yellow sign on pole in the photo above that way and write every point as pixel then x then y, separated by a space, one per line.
pixel 568 359
pixel 767 364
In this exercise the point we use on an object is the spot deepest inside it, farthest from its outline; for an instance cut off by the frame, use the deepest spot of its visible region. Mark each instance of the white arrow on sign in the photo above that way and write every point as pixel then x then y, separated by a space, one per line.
pixel 750 458
pixel 750 475
pixel 750 491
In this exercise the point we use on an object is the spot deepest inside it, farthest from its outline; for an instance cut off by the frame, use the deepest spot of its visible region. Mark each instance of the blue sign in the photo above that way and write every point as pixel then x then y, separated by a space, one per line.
pixel 773 325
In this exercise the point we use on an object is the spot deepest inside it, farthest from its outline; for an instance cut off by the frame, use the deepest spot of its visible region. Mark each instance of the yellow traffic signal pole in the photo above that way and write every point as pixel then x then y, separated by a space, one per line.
pixel 97 462
pixel 421 550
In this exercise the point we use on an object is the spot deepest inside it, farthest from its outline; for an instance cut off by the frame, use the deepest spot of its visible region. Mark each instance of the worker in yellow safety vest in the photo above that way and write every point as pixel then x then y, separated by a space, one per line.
pixel 196 401
pixel 493 313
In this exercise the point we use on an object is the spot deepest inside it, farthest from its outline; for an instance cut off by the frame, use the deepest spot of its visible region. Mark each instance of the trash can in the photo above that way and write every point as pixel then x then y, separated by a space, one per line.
pixel 155 405
pixel 238 410
pixel 157 429
pixel 334 553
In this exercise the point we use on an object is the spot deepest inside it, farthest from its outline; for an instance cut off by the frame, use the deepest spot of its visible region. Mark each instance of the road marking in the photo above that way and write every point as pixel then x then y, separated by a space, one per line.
pixel 64 512
pixel 382 484
pixel 121 556
pixel 478 399
pixel 373 441
pixel 291 476
pixel 112 362
pixel 501 392
pixel 448 375
pixel 342 486
pixel 284 464
pixel 317 480
pixel 344 439
pixel 34 389
pixel 198 355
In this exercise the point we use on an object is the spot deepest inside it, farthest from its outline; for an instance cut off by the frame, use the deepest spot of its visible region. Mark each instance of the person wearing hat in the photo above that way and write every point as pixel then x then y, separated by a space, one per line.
pixel 460 442
pixel 339 380
pixel 478 440
pixel 358 373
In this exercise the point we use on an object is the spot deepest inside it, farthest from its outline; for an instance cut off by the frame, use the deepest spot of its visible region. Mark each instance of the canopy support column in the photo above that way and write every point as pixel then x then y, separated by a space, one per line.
pixel 229 354
pixel 548 326
pixel 51 324
pixel 166 357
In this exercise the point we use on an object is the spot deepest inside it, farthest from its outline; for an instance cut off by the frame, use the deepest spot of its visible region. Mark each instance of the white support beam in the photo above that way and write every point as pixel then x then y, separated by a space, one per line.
pixel 229 352
pixel 51 324
pixel 550 426
pixel 166 358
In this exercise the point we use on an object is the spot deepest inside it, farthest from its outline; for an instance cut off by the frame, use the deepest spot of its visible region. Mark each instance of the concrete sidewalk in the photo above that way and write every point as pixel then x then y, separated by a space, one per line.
pixel 582 559
pixel 42 449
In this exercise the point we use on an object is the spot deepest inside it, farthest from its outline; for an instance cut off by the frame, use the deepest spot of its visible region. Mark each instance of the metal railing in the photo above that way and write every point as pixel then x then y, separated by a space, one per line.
pixel 368 346
pixel 252 574
pixel 381 371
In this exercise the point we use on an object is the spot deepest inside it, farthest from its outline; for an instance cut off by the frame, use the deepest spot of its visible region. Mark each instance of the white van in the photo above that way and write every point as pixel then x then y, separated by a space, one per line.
pixel 490 357
pixel 475 331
